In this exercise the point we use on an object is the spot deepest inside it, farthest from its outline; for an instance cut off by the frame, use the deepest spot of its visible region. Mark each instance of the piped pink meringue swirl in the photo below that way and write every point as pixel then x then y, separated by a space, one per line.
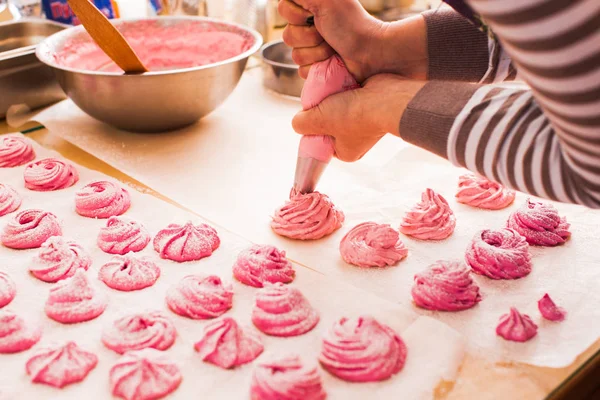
pixel 308 216
pixel 8 289
pixel 262 263
pixel 281 310
pixel 431 219
pixel 286 378
pixel 372 245
pixel 102 199
pixel 516 327
pixel 128 273
pixel 477 191
pixel 499 254
pixel 15 151
pixel 227 344
pixel 10 199
pixel 540 224
pixel 30 229
pixel 186 242
pixel 17 334
pixel 122 235
pixel 50 174
pixel 58 259
pixel 362 350
pixel 200 297
pixel 140 331
pixel 550 310
pixel 60 366
pixel 445 286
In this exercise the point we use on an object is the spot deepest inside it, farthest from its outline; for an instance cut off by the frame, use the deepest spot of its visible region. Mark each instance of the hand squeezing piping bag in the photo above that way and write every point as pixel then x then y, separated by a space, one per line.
pixel 325 78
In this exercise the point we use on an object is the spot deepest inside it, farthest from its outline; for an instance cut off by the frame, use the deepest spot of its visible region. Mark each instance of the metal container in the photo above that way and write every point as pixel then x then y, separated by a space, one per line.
pixel 23 79
pixel 280 72
pixel 154 101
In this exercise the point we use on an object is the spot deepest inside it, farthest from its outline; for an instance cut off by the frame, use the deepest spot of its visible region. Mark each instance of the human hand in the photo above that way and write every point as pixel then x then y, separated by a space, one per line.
pixel 357 119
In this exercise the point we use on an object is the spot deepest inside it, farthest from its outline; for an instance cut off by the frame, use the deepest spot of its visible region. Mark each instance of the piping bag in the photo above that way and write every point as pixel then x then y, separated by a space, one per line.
pixel 324 79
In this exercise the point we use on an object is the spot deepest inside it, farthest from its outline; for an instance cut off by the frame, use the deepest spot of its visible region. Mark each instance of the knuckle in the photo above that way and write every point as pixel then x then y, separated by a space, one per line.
pixel 297 56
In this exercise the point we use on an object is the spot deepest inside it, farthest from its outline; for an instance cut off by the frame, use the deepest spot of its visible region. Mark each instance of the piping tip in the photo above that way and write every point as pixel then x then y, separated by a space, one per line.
pixel 308 174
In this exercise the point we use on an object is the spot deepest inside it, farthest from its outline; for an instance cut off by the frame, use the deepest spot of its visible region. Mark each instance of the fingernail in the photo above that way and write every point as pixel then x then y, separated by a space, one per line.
pixel 310 20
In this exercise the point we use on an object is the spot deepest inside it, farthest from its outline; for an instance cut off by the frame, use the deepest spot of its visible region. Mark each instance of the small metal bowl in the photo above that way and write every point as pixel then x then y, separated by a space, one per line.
pixel 280 72
pixel 155 101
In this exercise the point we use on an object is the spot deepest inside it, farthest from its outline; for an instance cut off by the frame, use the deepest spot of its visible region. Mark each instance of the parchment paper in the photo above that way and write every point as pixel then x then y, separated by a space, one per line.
pixel 435 350
pixel 236 166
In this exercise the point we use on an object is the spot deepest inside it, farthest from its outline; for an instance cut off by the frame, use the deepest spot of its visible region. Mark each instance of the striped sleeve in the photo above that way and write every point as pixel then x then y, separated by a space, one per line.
pixel 543 138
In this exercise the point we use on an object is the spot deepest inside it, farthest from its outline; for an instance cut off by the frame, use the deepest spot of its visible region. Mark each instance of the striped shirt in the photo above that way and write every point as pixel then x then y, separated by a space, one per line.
pixel 522 106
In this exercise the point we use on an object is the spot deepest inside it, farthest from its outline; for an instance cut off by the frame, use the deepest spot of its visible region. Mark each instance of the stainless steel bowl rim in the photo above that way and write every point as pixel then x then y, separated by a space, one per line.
pixel 41 50
pixel 275 63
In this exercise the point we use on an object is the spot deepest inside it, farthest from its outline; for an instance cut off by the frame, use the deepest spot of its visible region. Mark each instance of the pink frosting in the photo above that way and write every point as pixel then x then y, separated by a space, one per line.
pixel 550 310
pixel 445 286
pixel 102 199
pixel 15 151
pixel 50 174
pixel 129 273
pixel 479 192
pixel 60 366
pixel 262 263
pixel 362 350
pixel 30 229
pixel 307 216
pixel 200 297
pixel 286 378
pixel 140 331
pixel 8 289
pixel 431 219
pixel 144 375
pixel 10 199
pixel 122 235
pixel 372 245
pixel 282 310
pixel 186 242
pixel 58 259
pixel 499 254
pixel 516 327
pixel 17 334
pixel 540 224
pixel 75 300
pixel 228 345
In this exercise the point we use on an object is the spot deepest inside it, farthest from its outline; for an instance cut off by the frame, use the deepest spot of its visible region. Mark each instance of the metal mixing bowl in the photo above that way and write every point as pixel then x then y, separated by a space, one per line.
pixel 153 101
pixel 280 72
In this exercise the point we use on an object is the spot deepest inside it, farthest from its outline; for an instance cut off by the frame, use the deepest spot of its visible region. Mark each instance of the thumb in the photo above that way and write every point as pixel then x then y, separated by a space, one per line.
pixel 326 117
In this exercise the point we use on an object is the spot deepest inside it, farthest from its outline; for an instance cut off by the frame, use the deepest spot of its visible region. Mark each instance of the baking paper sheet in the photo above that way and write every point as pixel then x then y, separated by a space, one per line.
pixel 236 166
pixel 435 350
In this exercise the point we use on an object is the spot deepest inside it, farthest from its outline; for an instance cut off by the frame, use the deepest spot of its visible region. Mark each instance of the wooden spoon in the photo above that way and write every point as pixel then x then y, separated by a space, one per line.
pixel 107 36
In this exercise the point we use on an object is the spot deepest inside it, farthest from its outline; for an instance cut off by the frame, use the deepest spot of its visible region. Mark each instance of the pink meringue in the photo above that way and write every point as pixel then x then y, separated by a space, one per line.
pixel 286 378
pixel 431 219
pixel 308 216
pixel 516 327
pixel 16 334
pixel 102 199
pixel 362 350
pixel 140 331
pixel 10 199
pixel 122 235
pixel 372 245
pixel 186 243
pixel 30 229
pixel 74 300
pixel 540 224
pixel 262 263
pixel 50 174
pixel 15 151
pixel 477 191
pixel 60 366
pixel 445 286
pixel 144 375
pixel 200 297
pixel 58 259
pixel 282 310
pixel 128 273
pixel 8 289
pixel 550 310
pixel 499 254
pixel 326 78
pixel 227 345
